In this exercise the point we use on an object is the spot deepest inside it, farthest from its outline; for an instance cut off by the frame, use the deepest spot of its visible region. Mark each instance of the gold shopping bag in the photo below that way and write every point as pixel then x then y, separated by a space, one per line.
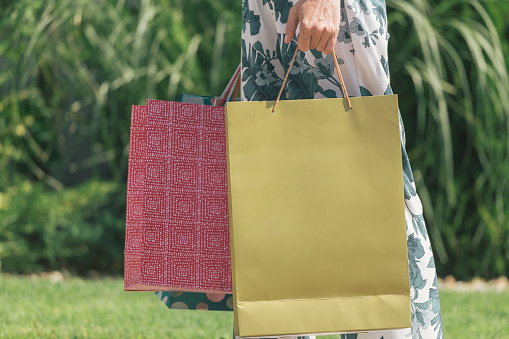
pixel 317 223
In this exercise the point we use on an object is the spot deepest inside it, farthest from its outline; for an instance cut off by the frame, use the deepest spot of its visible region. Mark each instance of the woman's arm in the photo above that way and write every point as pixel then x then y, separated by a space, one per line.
pixel 319 24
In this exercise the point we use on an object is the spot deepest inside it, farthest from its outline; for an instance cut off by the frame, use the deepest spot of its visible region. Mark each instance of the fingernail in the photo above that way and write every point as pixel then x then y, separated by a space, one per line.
pixel 286 39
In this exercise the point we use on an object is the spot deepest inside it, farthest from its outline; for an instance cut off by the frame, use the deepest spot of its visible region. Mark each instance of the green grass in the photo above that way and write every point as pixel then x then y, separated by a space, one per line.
pixel 76 308
pixel 79 308
pixel 475 315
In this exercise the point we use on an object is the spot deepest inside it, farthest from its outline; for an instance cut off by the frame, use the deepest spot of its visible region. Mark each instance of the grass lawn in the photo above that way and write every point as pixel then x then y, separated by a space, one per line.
pixel 76 308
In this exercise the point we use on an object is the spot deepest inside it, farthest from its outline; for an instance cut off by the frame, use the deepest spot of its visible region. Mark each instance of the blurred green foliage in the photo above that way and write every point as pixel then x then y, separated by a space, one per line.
pixel 77 228
pixel 448 67
pixel 69 71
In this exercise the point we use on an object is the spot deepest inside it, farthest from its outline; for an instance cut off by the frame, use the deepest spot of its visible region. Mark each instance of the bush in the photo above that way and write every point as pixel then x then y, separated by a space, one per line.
pixel 78 229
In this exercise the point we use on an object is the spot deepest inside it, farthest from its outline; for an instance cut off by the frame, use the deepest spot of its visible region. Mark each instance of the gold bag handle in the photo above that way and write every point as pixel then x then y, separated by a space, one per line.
pixel 341 82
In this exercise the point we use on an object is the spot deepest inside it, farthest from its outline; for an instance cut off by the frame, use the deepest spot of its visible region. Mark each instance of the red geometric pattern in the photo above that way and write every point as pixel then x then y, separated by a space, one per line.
pixel 177 231
pixel 135 197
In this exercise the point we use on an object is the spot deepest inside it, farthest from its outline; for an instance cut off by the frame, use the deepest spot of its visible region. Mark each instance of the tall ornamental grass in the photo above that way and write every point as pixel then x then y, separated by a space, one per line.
pixel 449 69
pixel 69 71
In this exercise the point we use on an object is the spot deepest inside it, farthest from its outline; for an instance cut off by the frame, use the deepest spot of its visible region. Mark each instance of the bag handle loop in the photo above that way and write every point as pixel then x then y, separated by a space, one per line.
pixel 341 82
pixel 229 88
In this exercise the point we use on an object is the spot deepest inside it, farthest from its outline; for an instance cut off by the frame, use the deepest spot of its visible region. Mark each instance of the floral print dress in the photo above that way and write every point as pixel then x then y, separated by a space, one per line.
pixel 361 50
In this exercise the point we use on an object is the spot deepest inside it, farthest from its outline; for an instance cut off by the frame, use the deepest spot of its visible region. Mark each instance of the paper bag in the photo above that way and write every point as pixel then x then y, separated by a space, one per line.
pixel 177 235
pixel 317 221
pixel 198 300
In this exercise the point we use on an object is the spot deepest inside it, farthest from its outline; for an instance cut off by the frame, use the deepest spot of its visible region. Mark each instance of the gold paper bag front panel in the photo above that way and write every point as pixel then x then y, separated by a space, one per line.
pixel 316 202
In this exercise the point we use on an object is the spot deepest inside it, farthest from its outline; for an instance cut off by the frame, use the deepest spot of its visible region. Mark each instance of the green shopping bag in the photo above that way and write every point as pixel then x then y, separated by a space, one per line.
pixel 317 223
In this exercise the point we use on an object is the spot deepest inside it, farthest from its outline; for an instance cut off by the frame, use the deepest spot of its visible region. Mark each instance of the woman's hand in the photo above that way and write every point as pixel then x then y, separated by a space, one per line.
pixel 319 24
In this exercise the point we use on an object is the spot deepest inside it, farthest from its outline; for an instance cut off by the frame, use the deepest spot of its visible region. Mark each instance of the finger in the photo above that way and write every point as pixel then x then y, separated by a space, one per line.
pixel 314 42
pixel 305 34
pixel 303 41
pixel 324 39
pixel 291 25
pixel 329 47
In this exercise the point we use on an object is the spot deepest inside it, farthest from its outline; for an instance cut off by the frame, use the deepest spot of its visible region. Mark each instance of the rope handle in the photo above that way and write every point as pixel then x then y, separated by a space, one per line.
pixel 236 89
pixel 341 82
pixel 229 88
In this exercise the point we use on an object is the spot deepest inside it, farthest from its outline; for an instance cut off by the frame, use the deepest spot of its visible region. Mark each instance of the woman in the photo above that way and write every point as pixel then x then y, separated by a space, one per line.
pixel 357 31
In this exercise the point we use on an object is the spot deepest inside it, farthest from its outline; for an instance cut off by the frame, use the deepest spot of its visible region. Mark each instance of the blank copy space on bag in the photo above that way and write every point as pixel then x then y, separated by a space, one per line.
pixel 316 203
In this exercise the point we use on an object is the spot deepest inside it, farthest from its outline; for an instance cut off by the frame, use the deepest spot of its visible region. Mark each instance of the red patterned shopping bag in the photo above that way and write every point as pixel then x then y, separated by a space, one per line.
pixel 177 235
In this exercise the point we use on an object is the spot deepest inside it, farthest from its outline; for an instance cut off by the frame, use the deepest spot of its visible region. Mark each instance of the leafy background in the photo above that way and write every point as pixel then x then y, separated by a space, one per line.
pixel 70 70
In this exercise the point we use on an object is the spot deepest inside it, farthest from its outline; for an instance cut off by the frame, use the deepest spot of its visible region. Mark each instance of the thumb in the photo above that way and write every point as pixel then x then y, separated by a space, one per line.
pixel 291 26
